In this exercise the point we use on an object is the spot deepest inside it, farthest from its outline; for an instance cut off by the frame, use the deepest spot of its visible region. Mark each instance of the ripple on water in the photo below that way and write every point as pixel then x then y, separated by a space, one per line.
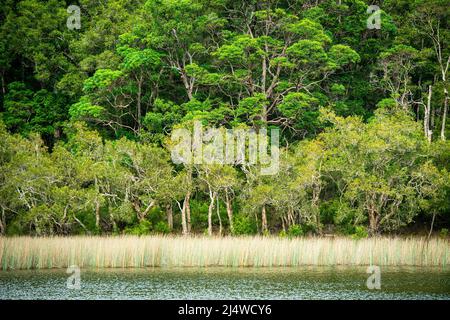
pixel 228 283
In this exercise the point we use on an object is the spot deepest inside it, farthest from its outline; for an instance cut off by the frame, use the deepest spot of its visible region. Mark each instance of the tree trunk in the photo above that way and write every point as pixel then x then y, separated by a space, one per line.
pixel 444 115
pixel 290 218
pixel 432 118
pixel 188 212
pixel 373 222
pixel 212 196
pixel 432 225
pixel 183 216
pixel 169 212
pixel 218 216
pixel 137 209
pixel 113 222
pixel 257 222
pixel 229 211
pixel 426 118
pixel 81 224
pixel 187 85
pixel 264 219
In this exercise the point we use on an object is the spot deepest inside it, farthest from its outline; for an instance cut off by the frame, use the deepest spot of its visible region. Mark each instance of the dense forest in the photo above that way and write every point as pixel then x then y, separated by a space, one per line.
pixel 86 112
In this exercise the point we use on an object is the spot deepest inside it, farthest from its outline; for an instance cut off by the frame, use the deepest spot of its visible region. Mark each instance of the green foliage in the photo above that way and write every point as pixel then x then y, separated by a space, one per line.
pixel 384 186
pixel 143 228
pixel 243 225
pixel 162 227
pixel 329 211
pixel 282 234
pixel 86 115
pixel 295 230
pixel 27 111
pixel 360 233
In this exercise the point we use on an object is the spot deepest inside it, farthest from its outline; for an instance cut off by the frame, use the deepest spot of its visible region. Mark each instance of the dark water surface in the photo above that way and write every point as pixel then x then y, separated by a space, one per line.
pixel 228 283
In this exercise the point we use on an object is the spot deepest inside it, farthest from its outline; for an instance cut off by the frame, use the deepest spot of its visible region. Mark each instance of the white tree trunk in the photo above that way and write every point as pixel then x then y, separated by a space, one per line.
pixel 426 118
pixel 212 196
pixel 229 211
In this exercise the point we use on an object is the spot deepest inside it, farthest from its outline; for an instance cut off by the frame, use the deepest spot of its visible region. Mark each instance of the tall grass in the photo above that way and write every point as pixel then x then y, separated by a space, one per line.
pixel 160 251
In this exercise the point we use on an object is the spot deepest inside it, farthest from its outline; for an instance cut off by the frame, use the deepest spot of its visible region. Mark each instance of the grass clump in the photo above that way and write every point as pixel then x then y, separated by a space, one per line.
pixel 159 251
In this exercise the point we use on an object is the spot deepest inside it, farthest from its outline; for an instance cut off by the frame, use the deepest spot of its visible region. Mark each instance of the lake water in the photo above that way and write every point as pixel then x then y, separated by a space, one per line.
pixel 228 283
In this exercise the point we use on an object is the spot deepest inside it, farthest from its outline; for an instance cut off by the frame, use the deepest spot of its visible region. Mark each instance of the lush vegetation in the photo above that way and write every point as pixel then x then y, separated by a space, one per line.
pixel 157 251
pixel 86 115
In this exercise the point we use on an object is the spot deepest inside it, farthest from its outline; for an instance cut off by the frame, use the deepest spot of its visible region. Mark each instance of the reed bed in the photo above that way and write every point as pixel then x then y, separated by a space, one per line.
pixel 161 251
